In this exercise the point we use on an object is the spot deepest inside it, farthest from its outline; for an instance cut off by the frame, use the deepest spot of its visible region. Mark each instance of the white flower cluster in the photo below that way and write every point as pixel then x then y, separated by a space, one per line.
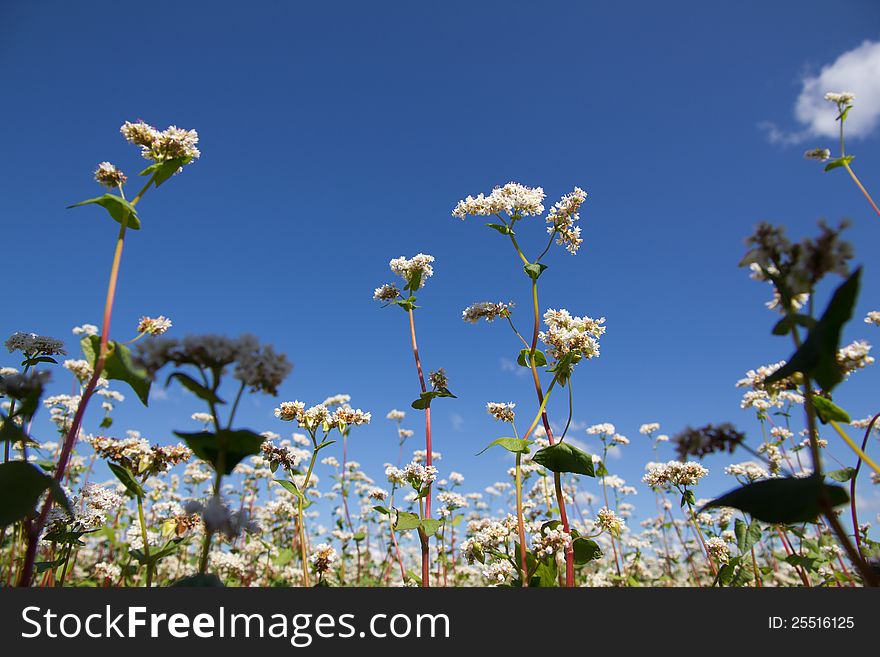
pixel 487 534
pixel 323 557
pixel 488 310
pixel 605 428
pixel 85 329
pixel 873 317
pixel 387 292
pixel 512 198
pixel 109 176
pixel 854 356
pixel 499 571
pixel 136 454
pixel 501 411
pixel 674 473
pixel 107 571
pixel 395 415
pixel 551 542
pixel 841 98
pixel 452 500
pixel 154 325
pixel 319 414
pixel 748 470
pixel 562 218
pixel 819 154
pixel 566 333
pixel 717 549
pixel 609 521
pixel 170 144
pixel 648 429
pixel 763 396
pixel 407 268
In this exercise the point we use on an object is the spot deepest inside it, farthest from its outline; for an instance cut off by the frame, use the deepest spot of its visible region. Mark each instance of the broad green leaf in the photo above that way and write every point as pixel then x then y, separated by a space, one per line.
pixel 118 365
pixel 223 449
pixel 746 535
pixel 406 520
pixel 563 457
pixel 117 207
pixel 817 356
pixel 546 574
pixel 127 478
pixel 827 410
pixel 787 323
pixel 842 475
pixel 194 387
pixel 501 228
pixel 510 444
pixel 425 398
pixel 162 171
pixel 839 162
pixel 586 550
pixel 431 525
pixel 290 488
pixel 524 358
pixel 783 501
pixel 21 485
pixel 534 270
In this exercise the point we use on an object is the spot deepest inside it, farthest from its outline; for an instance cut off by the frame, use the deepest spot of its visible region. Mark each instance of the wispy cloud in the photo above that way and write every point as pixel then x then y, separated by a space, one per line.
pixel 856 71
pixel 457 422
pixel 508 365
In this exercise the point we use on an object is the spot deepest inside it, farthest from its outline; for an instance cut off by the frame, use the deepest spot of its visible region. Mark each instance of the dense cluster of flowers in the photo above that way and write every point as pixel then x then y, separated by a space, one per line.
pixel 566 333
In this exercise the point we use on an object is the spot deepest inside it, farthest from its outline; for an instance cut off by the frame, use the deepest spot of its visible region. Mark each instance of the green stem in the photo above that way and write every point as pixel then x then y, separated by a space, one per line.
pixel 145 539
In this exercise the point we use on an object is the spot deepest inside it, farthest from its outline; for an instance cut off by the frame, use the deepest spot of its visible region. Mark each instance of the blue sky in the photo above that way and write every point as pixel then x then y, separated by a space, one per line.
pixel 336 136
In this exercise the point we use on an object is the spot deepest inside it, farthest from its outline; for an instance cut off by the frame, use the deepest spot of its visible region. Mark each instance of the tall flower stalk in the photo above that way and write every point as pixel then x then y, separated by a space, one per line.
pixel 169 150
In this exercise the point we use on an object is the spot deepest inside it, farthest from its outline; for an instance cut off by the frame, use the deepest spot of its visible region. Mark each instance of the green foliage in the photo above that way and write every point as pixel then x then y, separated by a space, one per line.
pixel 425 398
pixel 817 356
pixel 223 449
pixel 118 365
pixel 563 457
pixel 534 270
pixel 127 478
pixel 21 485
pixel 786 500
pixel 515 445
pixel 524 358
pixel 118 208
pixel 841 161
pixel 827 410
pixel 162 171
pixel 195 387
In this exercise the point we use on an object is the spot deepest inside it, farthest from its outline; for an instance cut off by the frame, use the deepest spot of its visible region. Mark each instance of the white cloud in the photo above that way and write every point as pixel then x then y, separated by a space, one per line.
pixel 856 71
pixel 457 422
pixel 508 365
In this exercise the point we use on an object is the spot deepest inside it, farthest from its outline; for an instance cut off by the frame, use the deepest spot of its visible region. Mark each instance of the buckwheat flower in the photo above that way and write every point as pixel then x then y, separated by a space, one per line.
pixel 606 428
pixel 403 434
pixel 419 476
pixel 820 154
pixel 438 379
pixel 395 415
pixel 291 410
pixel 139 134
pixel 842 98
pixel 154 325
pixel 387 292
pixel 566 333
pixel 501 411
pixel 619 439
pixel 487 310
pixel 499 571
pixel 104 570
pixel 322 558
pixel 337 400
pixel 79 368
pixel 452 500
pixel 513 198
pixel 207 418
pixel 662 438
pixel 873 317
pixel 562 218
pixel 109 176
pixel 674 473
pixel 85 329
pixel 609 522
pixel 284 457
pixel 748 470
pixel 456 478
pixel 648 429
pixel 31 344
pixel 421 455
pixel 717 549
pixel 346 415
pixel 377 494
pixel 551 543
pixel 854 356
pixel 407 268
pixel 315 416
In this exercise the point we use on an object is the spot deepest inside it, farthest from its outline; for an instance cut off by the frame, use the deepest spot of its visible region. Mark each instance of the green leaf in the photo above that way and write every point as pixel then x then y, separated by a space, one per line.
pixel 406 520
pixel 118 365
pixel 194 387
pixel 839 162
pixel 828 410
pixel 546 574
pixel 162 171
pixel 524 358
pixel 515 445
pixel 425 398
pixel 431 525
pixel 786 500
pixel 11 432
pixel 223 449
pixel 842 475
pixel 501 228
pixel 746 535
pixel 21 485
pixel 534 270
pixel 787 323
pixel 817 356
pixel 563 457
pixel 118 208
pixel 127 478
pixel 586 550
